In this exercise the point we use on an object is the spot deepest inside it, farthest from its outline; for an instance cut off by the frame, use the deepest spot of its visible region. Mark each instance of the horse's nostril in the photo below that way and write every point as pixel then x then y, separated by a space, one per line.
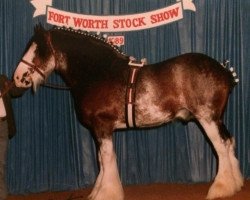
pixel 17 77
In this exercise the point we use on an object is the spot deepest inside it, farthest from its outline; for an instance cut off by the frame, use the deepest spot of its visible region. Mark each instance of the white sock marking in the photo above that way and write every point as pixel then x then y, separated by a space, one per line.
pixel 108 185
pixel 224 184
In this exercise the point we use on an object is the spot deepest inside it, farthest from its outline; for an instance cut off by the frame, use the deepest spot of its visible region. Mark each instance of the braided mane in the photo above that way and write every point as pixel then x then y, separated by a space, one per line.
pixel 96 37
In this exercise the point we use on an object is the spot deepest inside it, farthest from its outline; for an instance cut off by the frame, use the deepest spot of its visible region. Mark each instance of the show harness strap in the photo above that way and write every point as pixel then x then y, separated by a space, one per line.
pixel 131 91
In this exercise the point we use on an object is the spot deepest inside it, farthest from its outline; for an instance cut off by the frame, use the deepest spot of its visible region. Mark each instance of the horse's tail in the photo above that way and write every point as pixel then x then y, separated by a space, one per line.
pixel 234 77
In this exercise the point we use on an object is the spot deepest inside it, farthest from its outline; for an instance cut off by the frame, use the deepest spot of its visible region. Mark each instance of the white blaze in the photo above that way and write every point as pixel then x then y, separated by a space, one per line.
pixel 24 68
pixel 25 76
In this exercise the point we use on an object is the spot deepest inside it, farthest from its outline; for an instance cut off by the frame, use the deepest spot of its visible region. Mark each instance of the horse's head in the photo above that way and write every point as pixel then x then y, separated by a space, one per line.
pixel 38 61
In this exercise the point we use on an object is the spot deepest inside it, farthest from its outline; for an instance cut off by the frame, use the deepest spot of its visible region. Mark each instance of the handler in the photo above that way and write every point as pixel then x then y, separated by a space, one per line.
pixel 7 126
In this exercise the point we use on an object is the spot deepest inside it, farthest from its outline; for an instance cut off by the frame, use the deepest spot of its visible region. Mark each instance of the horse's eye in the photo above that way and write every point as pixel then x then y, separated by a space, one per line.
pixel 36 51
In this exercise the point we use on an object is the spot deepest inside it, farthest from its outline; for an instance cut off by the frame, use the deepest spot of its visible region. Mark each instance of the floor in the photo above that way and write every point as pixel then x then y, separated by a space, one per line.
pixel 142 192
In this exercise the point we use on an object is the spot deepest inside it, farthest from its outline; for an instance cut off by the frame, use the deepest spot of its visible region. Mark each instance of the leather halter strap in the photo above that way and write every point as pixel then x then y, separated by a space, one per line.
pixel 36 68
pixel 131 93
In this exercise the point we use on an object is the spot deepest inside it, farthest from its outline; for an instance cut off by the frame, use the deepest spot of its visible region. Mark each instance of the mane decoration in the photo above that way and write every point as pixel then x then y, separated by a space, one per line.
pixel 225 64
pixel 97 37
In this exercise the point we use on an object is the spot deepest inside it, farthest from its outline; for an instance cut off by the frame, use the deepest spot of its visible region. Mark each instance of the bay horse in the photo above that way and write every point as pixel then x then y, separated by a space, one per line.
pixel 105 91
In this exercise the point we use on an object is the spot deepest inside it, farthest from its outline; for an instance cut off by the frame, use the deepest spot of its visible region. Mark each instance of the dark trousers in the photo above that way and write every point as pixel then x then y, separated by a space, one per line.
pixel 3 157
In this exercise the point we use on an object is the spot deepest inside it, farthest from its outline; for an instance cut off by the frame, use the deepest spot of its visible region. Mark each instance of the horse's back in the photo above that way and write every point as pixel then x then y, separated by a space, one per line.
pixel 193 66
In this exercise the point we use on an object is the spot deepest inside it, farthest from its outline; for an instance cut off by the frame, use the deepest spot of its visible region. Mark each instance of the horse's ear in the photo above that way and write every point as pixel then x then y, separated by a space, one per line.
pixel 39 29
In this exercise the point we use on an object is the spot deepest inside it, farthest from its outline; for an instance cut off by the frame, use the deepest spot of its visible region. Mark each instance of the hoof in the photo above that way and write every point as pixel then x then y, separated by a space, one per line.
pixel 221 190
pixel 239 184
pixel 106 193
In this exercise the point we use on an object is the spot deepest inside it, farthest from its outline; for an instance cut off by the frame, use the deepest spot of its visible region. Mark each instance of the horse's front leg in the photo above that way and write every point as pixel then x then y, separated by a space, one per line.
pixel 98 180
pixel 108 185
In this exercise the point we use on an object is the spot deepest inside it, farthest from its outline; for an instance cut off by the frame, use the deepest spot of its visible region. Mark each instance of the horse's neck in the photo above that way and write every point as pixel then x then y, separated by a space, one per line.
pixel 84 60
pixel 84 72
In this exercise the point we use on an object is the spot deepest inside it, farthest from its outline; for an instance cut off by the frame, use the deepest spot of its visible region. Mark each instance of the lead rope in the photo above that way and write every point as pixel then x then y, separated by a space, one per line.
pixel 56 86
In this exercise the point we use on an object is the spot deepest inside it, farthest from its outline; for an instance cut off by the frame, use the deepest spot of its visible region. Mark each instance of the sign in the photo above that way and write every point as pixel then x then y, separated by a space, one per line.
pixel 116 40
pixel 112 23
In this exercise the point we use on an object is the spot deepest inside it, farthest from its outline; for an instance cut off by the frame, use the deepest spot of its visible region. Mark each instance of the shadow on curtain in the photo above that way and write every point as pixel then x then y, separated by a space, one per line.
pixel 52 151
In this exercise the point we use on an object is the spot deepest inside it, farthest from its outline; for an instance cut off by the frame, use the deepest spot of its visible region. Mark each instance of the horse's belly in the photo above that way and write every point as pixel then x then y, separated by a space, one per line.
pixel 151 115
pixel 150 109
pixel 149 118
pixel 147 114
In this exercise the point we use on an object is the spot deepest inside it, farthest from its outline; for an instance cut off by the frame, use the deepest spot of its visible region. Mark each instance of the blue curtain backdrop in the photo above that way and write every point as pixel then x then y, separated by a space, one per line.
pixel 52 151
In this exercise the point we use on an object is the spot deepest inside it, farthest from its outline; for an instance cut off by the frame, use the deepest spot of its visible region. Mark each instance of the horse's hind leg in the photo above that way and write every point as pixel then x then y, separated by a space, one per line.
pixel 228 179
pixel 231 151
pixel 108 185
pixel 235 165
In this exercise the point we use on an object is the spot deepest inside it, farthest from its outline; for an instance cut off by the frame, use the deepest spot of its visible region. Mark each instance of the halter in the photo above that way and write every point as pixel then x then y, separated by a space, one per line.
pixel 34 67
pixel 37 68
